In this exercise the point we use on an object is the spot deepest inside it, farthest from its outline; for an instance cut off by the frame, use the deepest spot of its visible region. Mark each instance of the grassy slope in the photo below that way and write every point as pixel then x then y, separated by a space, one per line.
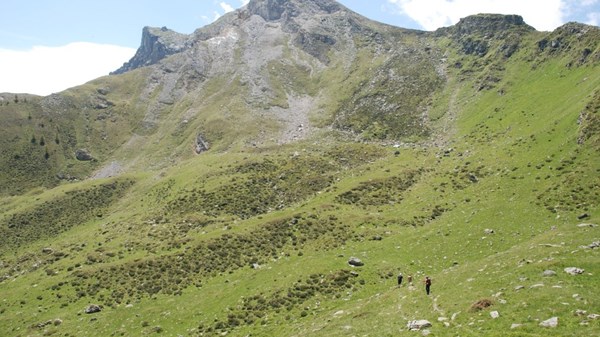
pixel 41 135
pixel 533 180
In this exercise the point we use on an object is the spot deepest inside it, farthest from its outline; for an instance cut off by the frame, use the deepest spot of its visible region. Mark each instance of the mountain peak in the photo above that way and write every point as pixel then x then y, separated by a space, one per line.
pixel 273 10
pixel 488 24
pixel 157 43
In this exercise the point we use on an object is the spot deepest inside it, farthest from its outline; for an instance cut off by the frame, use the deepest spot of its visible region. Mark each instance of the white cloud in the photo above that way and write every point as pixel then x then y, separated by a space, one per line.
pixel 226 7
pixel 432 14
pixel 44 70
pixel 245 2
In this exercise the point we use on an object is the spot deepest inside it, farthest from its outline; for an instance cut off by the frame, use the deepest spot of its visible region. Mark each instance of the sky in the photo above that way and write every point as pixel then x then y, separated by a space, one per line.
pixel 47 46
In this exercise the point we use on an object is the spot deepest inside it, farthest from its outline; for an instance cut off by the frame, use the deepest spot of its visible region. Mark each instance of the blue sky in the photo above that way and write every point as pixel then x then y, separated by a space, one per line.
pixel 49 45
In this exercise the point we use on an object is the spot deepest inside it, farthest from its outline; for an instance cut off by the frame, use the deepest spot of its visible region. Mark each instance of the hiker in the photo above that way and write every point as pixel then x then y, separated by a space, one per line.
pixel 400 277
pixel 410 280
pixel 427 284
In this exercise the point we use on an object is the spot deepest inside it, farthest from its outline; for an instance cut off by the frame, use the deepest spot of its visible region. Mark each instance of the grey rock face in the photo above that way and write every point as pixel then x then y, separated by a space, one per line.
pixel 272 10
pixel 490 23
pixel 157 43
pixel 269 10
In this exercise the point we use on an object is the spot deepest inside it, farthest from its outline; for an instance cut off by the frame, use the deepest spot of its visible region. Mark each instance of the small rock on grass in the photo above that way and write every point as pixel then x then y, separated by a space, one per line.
pixel 93 308
pixel 550 323
pixel 354 261
pixel 418 324
pixel 574 271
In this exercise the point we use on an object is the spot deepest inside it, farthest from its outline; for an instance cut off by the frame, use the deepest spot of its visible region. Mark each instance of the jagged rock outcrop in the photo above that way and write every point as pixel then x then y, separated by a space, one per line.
pixel 476 33
pixel 488 24
pixel 157 43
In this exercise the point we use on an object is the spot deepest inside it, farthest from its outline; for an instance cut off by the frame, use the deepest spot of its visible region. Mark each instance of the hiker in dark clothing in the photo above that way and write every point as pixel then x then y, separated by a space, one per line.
pixel 400 277
pixel 427 285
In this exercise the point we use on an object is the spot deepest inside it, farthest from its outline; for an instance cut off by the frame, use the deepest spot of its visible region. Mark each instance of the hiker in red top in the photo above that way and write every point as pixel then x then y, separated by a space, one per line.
pixel 427 284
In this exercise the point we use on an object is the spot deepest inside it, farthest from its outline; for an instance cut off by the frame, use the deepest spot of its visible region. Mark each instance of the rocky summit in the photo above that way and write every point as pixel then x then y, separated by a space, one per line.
pixel 272 173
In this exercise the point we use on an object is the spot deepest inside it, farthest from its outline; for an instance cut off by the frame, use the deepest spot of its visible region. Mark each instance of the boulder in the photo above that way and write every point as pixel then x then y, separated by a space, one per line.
pixel 587 225
pixel 103 91
pixel 583 216
pixel 93 308
pixel 83 155
pixel 594 245
pixel 550 323
pixel 418 324
pixel 356 262
pixel 56 322
pixel 574 271
pixel 201 144
pixel 494 314
pixel 516 325
pixel 548 273
pixel 488 231
pixel 593 316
